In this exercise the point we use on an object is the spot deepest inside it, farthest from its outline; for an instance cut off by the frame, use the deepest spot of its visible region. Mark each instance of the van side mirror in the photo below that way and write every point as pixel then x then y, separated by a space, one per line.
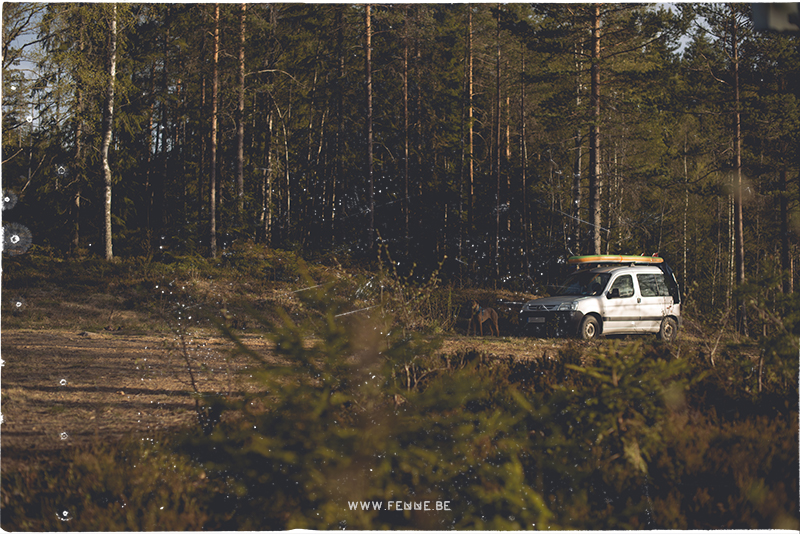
pixel 613 294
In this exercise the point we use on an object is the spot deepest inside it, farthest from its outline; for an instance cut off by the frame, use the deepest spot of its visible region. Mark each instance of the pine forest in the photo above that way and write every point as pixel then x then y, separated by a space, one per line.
pixel 503 137
pixel 354 179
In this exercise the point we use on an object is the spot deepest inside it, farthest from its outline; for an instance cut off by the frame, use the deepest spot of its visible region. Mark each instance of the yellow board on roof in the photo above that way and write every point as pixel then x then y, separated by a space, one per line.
pixel 607 258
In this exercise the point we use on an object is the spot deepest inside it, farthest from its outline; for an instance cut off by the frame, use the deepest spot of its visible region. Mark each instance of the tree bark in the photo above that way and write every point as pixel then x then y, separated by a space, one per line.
pixel 595 184
pixel 785 261
pixel 338 178
pixel 266 184
pixel 213 151
pixel 523 153
pixel 497 158
pixel 76 214
pixel 108 123
pixel 737 143
pixel 161 189
pixel 369 163
pixel 737 195
pixel 576 168
pixel 240 123
pixel 470 126
pixel 405 132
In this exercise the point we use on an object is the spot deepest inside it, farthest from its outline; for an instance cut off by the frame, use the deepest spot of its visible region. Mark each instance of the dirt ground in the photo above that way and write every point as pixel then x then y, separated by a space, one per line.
pixel 62 388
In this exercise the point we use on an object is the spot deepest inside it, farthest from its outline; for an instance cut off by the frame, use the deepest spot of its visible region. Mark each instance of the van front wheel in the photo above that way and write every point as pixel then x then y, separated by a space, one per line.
pixel 589 328
pixel 669 330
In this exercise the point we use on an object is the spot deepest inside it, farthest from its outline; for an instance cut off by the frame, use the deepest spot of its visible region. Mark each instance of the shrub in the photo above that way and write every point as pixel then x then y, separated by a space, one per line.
pixel 138 484
pixel 339 425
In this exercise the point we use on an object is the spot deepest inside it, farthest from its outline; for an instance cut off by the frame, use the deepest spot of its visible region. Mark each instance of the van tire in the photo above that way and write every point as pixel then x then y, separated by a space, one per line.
pixel 669 330
pixel 589 329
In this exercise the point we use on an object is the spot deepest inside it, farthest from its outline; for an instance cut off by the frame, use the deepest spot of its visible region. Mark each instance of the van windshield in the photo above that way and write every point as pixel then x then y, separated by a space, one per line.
pixel 583 283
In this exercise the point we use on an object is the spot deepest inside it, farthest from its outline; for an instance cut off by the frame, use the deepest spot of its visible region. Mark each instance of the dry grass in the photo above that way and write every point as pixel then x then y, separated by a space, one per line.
pixel 63 388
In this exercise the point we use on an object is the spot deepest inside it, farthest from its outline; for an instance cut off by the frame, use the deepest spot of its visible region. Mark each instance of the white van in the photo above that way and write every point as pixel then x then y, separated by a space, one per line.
pixel 609 295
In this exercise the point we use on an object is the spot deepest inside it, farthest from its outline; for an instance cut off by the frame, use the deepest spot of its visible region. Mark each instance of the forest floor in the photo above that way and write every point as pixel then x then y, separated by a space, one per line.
pixel 88 358
pixel 66 387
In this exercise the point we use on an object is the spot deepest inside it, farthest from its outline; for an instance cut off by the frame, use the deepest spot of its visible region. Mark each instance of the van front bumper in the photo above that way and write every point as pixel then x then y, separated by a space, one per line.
pixel 550 323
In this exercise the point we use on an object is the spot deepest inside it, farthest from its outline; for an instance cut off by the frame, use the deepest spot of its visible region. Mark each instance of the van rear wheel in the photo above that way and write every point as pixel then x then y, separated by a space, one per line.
pixel 669 330
pixel 589 329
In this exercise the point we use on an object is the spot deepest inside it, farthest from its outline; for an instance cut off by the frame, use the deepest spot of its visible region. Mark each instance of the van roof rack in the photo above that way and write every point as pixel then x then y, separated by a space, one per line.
pixel 606 258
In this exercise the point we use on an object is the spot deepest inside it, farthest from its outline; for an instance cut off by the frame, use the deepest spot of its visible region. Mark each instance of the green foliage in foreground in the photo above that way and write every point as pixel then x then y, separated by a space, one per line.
pixel 605 436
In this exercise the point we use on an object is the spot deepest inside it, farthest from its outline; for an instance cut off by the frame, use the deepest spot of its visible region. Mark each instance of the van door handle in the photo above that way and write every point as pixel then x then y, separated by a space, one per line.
pixel 639 300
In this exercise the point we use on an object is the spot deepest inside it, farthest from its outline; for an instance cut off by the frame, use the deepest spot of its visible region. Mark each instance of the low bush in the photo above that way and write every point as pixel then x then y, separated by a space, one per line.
pixel 139 484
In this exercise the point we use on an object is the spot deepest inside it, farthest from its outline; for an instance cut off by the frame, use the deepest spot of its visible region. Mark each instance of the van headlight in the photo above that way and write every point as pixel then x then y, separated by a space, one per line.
pixel 567 306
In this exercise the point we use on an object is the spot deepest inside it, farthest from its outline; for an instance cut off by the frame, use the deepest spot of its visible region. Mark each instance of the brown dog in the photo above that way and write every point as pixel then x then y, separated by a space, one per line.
pixel 481 315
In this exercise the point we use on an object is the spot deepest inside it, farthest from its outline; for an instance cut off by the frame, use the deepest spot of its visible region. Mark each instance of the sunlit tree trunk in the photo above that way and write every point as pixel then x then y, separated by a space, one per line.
pixel 576 168
pixel 266 184
pixel 368 89
pixel 213 155
pixel 108 123
pixel 523 153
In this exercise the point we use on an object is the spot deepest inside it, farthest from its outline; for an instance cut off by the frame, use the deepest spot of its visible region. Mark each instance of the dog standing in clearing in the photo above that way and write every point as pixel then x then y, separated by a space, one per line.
pixel 479 316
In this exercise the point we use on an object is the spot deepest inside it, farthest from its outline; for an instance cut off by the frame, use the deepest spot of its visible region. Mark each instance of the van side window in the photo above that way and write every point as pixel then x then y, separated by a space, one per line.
pixel 625 286
pixel 652 285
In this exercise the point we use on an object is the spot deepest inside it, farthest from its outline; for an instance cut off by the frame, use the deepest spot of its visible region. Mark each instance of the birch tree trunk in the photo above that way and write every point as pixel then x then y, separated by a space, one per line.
pixel 108 121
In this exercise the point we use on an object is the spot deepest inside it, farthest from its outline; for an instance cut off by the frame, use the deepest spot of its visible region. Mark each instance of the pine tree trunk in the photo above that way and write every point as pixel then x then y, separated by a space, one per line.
pixel 685 207
pixel 338 174
pixel 240 123
pixel 737 195
pixel 576 168
pixel 200 176
pixel 405 132
pixel 161 190
pixel 594 135
pixel 497 160
pixel 523 154
pixel 784 222
pixel 470 126
pixel 108 123
pixel 213 155
pixel 737 144
pixel 76 214
pixel 148 184
pixel 368 89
